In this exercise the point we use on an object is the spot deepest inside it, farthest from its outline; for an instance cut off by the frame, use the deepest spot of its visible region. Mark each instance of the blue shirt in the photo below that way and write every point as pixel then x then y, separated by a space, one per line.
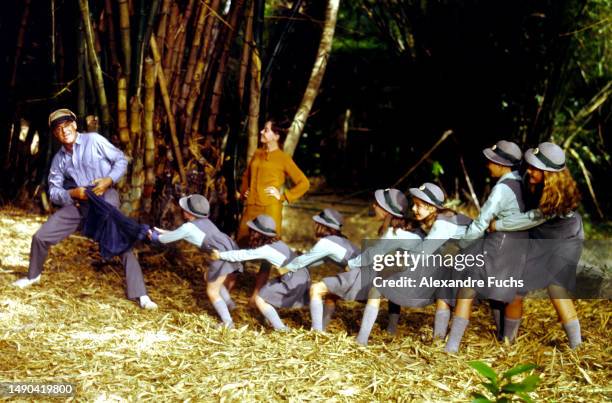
pixel 501 203
pixel 93 157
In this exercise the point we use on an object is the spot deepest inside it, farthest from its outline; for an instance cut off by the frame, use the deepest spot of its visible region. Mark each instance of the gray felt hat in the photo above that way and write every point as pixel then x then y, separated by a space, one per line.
pixel 195 204
pixel 429 193
pixel 330 218
pixel 547 157
pixel 504 153
pixel 392 201
pixel 264 224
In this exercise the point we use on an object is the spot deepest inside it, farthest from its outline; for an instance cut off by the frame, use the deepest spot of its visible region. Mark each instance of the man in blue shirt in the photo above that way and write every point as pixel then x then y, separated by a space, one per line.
pixel 90 160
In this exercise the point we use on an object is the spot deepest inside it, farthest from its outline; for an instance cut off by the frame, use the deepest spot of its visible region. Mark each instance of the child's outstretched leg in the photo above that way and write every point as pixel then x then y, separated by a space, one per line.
pixel 369 317
pixel 224 292
pixel 441 320
pixel 512 318
pixel 213 290
pixel 567 313
pixel 394 315
pixel 328 309
pixel 270 313
pixel 260 280
pixel 317 292
pixel 461 319
pixel 497 311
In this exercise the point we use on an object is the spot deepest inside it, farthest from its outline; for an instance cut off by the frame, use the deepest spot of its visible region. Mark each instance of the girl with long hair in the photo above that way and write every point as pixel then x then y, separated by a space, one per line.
pixel 555 231
pixel 437 225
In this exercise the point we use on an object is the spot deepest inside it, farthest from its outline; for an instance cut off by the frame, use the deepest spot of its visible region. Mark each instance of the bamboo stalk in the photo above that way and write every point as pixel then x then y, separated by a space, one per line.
pixel 163 86
pixel 144 33
pixel 193 56
pixel 81 85
pixel 199 75
pixel 171 40
pixel 149 135
pixel 131 205
pixel 177 56
pixel 246 50
pixel 122 115
pixel 180 55
pixel 218 84
pixel 88 79
pixel 124 28
pixel 112 43
pixel 162 27
pixel 20 40
pixel 99 79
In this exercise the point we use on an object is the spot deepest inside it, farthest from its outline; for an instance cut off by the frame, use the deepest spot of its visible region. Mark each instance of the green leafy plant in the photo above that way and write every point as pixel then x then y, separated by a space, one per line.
pixel 502 387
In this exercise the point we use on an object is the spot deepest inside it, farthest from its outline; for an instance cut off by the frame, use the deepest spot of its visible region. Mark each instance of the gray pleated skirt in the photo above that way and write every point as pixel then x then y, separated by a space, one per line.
pixel 218 268
pixel 504 255
pixel 291 290
pixel 348 285
pixel 554 252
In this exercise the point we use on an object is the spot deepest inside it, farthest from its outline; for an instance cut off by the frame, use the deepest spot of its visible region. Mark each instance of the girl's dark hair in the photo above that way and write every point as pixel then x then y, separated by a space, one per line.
pixel 257 239
pixel 426 224
pixel 407 223
pixel 322 231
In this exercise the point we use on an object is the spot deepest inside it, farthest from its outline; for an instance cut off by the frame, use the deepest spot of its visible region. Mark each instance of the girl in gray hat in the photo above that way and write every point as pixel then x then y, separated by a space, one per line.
pixel 503 252
pixel 200 231
pixel 556 233
pixel 438 224
pixel 332 247
pixel 287 291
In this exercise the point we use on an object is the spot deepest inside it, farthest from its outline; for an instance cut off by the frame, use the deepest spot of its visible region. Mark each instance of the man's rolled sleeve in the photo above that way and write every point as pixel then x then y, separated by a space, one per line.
pixel 57 193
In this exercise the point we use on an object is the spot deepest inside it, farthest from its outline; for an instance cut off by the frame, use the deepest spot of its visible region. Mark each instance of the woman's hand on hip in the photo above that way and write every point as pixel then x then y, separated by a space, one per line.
pixel 273 192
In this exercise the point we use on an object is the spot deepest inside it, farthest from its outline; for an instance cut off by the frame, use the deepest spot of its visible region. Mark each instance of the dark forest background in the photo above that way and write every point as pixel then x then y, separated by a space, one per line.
pixel 400 74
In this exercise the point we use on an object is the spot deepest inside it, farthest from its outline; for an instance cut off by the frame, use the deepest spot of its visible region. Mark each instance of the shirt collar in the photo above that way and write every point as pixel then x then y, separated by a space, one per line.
pixel 78 140
pixel 510 175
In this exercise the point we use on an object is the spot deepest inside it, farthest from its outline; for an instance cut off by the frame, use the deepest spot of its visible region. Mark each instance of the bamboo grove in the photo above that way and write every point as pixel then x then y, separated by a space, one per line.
pixel 151 76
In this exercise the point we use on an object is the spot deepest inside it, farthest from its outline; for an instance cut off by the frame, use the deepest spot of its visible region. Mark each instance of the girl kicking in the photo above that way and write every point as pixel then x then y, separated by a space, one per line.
pixel 389 207
pixel 287 291
pixel 332 247
pixel 202 232
pixel 503 252
pixel 556 233
pixel 438 225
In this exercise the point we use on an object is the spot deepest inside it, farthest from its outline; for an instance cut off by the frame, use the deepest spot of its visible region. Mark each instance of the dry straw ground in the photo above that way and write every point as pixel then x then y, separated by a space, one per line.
pixel 76 326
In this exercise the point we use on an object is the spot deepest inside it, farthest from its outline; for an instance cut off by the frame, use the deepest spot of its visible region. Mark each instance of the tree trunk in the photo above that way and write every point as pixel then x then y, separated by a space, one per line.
pixel 149 108
pixel 318 70
pixel 20 40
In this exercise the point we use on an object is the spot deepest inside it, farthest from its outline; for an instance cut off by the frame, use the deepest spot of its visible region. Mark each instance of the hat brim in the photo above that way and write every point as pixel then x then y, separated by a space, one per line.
pixel 319 220
pixel 419 194
pixel 380 200
pixel 184 206
pixel 493 157
pixel 535 162
pixel 252 226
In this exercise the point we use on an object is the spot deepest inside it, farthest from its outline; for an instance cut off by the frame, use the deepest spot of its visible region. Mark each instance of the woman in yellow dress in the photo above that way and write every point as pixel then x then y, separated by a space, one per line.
pixel 262 184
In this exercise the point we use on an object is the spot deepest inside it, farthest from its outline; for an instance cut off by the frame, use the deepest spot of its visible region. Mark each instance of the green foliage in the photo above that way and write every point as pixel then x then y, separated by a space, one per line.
pixel 502 388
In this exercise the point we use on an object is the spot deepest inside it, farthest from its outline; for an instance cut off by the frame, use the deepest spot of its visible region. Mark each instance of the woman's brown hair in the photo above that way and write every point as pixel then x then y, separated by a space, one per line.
pixel 560 194
pixel 281 131
pixel 257 239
